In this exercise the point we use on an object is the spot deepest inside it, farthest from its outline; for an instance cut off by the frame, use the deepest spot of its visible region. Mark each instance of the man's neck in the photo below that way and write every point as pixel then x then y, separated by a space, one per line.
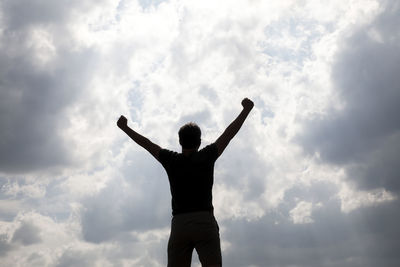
pixel 187 152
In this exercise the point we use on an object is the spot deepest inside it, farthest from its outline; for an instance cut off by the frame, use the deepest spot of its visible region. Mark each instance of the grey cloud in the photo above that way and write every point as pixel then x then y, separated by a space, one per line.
pixel 5 247
pixel 33 106
pixel 365 134
pixel 72 258
pixel 36 259
pixel 209 93
pixel 27 234
pixel 19 14
pixel 143 203
pixel 245 168
pixel 381 168
pixel 33 99
pixel 318 192
pixel 360 238
pixel 101 219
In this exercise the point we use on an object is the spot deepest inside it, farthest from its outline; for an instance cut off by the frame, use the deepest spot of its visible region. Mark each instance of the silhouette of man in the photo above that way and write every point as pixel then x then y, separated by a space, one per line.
pixel 191 177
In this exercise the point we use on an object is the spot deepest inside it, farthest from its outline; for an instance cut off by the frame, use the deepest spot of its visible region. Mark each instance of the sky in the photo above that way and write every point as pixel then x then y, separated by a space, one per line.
pixel 311 180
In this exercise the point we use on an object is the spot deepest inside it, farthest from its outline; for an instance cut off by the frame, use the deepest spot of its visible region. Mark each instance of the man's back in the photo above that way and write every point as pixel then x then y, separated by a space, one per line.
pixel 191 178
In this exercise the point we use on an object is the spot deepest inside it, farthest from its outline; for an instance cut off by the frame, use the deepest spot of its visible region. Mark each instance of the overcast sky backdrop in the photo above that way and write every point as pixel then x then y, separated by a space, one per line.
pixel 311 180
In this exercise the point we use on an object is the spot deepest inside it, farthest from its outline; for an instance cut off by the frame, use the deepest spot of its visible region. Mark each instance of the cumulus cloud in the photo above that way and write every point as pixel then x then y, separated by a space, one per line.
pixel 41 76
pixel 362 134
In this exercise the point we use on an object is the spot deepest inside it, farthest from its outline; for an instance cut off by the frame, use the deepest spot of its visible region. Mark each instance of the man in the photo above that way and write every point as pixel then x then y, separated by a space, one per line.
pixel 191 177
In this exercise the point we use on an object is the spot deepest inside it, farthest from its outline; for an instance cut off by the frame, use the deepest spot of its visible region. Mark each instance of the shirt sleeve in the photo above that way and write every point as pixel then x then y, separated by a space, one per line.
pixel 165 157
pixel 211 151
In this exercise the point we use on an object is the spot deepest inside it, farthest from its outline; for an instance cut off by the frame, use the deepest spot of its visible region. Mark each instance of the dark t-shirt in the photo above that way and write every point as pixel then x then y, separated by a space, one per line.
pixel 191 178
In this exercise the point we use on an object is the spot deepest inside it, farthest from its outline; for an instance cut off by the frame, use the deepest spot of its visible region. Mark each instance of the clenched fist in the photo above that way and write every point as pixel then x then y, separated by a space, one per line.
pixel 247 104
pixel 122 122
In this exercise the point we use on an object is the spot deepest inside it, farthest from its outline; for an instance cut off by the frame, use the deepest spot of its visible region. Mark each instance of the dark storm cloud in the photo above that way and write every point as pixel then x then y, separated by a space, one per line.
pixel 33 97
pixel 365 135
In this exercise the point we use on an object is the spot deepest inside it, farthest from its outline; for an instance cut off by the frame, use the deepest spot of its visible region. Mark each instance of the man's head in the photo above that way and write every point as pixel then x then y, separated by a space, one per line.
pixel 190 136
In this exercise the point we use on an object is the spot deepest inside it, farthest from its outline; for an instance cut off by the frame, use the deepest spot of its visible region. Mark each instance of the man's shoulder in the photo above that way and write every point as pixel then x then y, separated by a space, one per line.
pixel 165 150
pixel 209 147
pixel 166 154
pixel 210 150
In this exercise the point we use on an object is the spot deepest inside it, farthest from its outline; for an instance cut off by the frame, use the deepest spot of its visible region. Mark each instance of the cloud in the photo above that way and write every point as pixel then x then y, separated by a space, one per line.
pixel 362 134
pixel 137 201
pixel 40 77
pixel 76 258
pixel 53 86
pixel 301 213
pixel 360 238
pixel 27 234
pixel 4 245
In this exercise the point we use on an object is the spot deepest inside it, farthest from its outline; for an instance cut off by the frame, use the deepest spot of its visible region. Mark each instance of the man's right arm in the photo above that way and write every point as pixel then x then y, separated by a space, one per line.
pixel 230 132
pixel 144 142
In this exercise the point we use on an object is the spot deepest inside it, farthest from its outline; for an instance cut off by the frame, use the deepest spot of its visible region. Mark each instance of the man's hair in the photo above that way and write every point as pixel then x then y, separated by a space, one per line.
pixel 190 135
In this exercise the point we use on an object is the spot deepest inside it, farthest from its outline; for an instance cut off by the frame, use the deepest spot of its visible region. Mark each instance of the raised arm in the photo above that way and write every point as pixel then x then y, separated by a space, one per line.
pixel 139 139
pixel 223 141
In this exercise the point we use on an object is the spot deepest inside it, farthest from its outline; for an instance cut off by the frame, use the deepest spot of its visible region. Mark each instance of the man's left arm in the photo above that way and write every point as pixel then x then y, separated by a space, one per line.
pixel 144 142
